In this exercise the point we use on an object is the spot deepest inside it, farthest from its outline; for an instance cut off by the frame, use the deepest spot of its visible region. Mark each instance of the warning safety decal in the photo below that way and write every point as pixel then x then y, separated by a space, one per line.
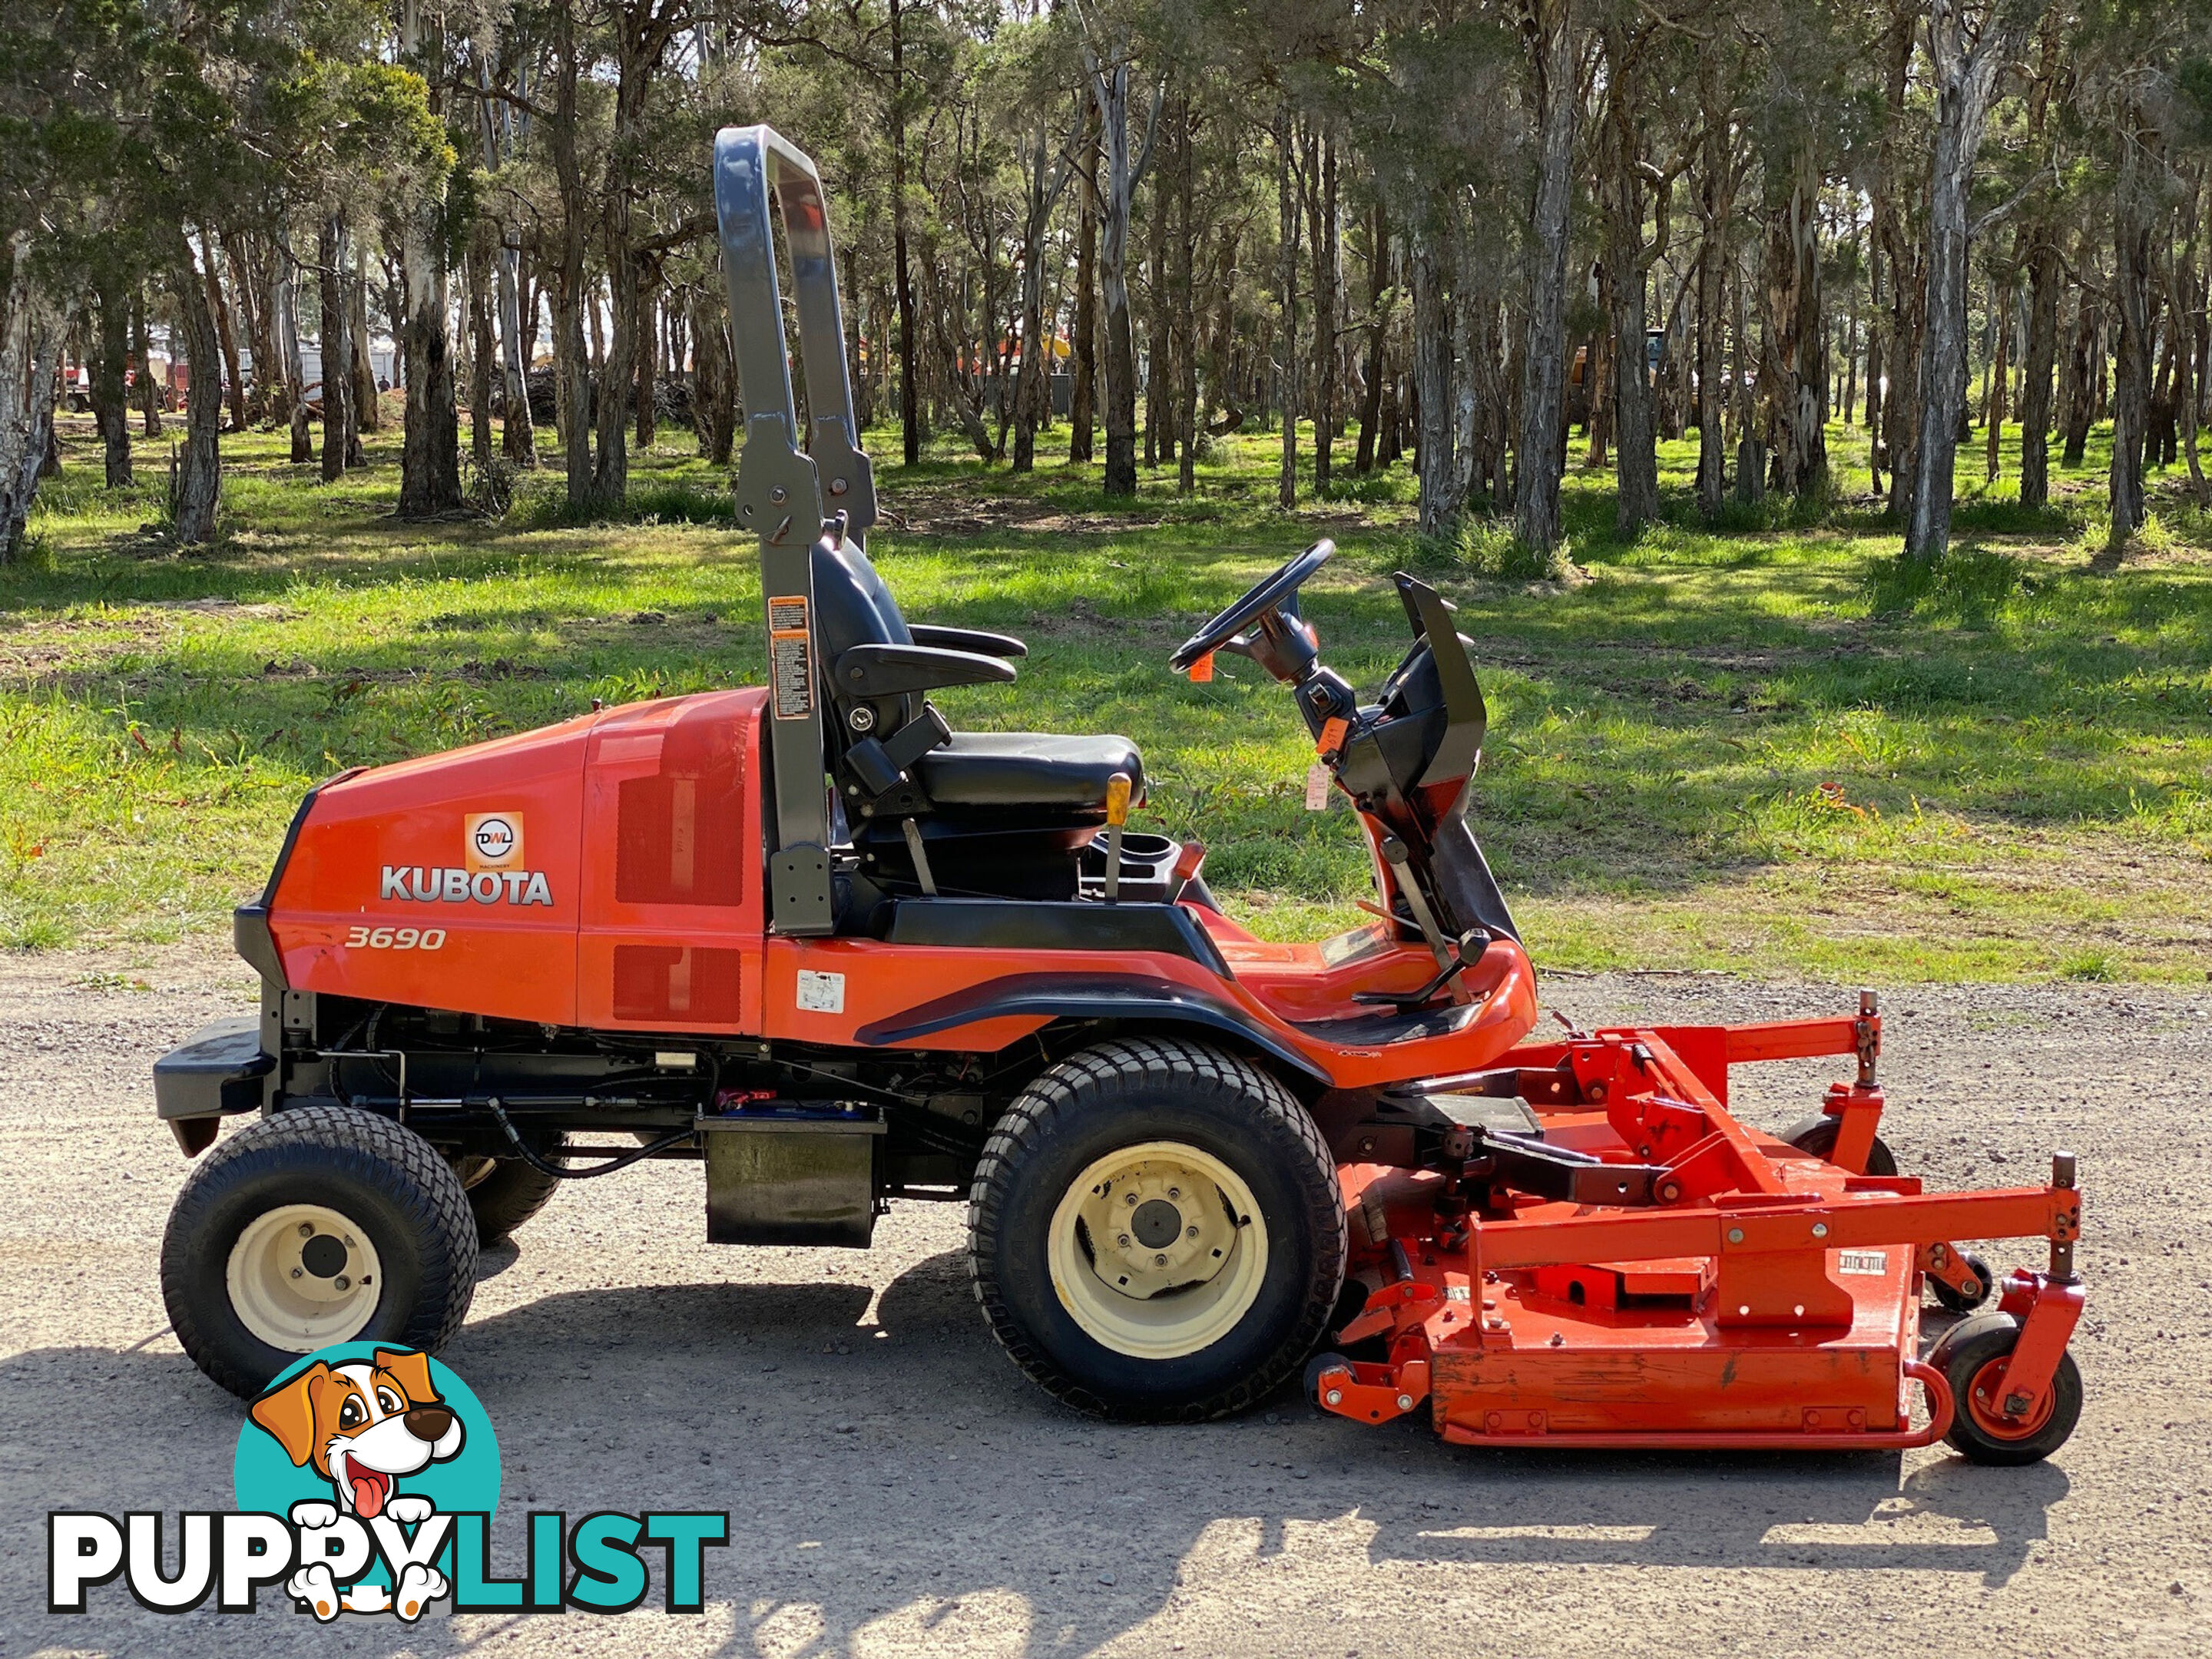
pixel 791 656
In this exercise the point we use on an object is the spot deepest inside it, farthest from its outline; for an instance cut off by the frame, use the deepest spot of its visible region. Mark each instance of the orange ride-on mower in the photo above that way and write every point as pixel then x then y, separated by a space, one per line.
pixel 813 940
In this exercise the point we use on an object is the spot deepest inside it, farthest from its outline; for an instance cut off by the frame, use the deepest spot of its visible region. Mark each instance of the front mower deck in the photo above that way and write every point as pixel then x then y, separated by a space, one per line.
pixel 1635 1267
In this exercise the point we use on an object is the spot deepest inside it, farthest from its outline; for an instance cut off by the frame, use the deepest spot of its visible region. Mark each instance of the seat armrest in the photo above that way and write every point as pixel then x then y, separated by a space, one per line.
pixel 967 639
pixel 891 671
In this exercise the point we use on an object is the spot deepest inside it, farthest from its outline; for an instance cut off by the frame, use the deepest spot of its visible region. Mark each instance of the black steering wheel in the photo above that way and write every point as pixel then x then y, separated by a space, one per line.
pixel 1267 596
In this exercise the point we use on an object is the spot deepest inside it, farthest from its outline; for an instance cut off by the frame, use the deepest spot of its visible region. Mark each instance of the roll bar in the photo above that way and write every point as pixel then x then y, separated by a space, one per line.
pixel 784 494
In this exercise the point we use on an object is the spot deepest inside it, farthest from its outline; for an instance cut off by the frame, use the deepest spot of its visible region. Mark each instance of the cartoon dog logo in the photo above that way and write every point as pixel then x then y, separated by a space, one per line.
pixel 362 1427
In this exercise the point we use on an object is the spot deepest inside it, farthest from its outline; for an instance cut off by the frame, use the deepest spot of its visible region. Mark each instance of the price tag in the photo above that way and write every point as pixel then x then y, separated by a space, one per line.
pixel 1317 782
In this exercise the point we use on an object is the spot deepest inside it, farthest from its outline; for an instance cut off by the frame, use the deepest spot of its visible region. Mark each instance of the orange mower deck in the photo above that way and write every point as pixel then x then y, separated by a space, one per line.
pixel 1761 1297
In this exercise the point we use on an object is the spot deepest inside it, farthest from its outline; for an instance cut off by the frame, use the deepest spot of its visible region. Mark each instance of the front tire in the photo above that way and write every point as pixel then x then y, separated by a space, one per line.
pixel 1156 1231
pixel 321 1224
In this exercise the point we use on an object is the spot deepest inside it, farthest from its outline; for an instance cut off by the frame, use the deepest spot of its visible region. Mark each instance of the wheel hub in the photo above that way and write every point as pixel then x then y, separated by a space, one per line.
pixel 303 1276
pixel 1156 1250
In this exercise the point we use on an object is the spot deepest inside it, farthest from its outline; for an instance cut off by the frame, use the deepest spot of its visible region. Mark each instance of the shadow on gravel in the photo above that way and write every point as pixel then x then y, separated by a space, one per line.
pixel 895 1485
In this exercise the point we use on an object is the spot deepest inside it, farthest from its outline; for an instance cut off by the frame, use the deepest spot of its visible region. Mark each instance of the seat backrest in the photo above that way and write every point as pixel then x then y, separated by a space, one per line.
pixel 852 606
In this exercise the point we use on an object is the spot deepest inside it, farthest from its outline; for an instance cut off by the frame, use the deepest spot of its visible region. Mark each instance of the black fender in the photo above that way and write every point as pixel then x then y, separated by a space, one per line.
pixel 1128 998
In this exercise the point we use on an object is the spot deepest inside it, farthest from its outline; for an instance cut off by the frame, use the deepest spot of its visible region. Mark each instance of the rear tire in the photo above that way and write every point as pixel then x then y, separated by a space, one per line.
pixel 512 1192
pixel 1223 1260
pixel 1817 1135
pixel 1969 1354
pixel 248 1290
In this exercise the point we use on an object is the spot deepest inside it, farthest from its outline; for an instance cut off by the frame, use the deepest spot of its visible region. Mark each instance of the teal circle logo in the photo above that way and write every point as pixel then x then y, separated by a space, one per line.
pixel 355 1441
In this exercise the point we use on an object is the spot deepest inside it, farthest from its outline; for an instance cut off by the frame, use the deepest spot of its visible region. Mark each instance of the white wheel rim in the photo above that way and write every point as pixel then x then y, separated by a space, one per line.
pixel 1145 1287
pixel 303 1277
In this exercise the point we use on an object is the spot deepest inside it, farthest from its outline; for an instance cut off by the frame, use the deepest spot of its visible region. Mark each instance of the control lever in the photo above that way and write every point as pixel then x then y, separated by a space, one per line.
pixel 1117 814
pixel 1465 954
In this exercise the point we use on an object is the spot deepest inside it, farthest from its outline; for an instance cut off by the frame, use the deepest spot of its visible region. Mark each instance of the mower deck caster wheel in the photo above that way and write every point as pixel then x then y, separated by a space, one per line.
pixel 1817 1135
pixel 1156 1232
pixel 323 1224
pixel 1315 1368
pixel 1972 1354
pixel 1958 1301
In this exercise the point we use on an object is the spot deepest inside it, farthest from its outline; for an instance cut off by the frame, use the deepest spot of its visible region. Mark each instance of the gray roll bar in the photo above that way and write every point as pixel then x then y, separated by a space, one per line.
pixel 784 494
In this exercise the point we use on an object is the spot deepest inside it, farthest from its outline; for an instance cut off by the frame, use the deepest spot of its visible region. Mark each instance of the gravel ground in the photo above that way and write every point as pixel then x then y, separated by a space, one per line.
pixel 896 1488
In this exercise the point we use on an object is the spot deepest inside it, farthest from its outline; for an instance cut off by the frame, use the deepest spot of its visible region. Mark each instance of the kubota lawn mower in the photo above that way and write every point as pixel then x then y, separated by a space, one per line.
pixel 837 953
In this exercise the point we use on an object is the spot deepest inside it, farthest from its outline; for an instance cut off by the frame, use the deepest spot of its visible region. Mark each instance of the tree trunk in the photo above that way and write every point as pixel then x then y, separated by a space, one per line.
pixel 713 389
pixel 1286 305
pixel 1329 284
pixel 1795 377
pixel 1715 206
pixel 284 308
pixel 1993 409
pixel 367 405
pixel 902 272
pixel 2082 364
pixel 199 476
pixel 31 329
pixel 1043 189
pixel 1186 306
pixel 337 353
pixel 1378 326
pixel 1627 263
pixel 1965 82
pixel 571 292
pixel 2130 288
pixel 146 389
pixel 649 354
pixel 234 381
pixel 108 409
pixel 1543 369
pixel 2043 285
pixel 1109 87
pixel 1432 364
pixel 1082 417
pixel 483 346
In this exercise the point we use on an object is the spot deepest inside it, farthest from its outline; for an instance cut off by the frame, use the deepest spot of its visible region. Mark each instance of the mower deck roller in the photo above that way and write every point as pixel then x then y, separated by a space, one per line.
pixel 833 952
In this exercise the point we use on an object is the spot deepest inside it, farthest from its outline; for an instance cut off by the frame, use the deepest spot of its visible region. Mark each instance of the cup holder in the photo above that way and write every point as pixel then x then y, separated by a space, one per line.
pixel 1147 868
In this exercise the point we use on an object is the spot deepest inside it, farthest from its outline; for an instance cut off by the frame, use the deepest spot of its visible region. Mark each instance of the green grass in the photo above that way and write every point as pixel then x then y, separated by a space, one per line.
pixel 1769 748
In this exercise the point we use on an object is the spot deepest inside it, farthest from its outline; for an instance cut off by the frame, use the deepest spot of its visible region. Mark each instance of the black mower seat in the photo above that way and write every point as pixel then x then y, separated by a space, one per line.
pixel 996 771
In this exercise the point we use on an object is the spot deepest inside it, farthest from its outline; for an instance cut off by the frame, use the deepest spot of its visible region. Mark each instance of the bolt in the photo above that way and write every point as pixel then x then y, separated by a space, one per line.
pixel 307 1230
pixel 295 1273
pixel 1190 1232
pixel 1129 1197
pixel 344 1283
pixel 1336 1396
pixel 778 494
pixel 1670 1192
pixel 1405 1402
pixel 839 486
pixel 1175 1192
pixel 2016 1405
pixel 1123 1241
pixel 1820 1230
pixel 1735 1235
pixel 1159 1262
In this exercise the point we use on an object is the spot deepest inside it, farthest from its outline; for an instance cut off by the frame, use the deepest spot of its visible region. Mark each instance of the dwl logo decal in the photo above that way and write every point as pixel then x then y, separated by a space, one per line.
pixel 367 1478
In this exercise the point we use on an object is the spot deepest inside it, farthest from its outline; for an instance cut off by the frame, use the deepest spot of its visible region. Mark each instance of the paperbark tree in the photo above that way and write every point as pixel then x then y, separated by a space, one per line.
pixel 338 429
pixel 1540 457
pixel 1964 60
pixel 430 454
pixel 1106 62
pixel 198 489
